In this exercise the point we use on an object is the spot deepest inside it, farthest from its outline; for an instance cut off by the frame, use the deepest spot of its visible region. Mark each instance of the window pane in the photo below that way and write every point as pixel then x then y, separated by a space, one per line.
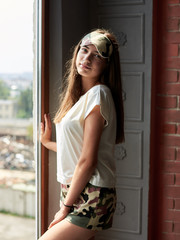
pixel 17 86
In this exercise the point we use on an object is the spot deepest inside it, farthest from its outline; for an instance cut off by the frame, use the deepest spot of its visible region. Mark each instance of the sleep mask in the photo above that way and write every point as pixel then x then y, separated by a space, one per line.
pixel 100 41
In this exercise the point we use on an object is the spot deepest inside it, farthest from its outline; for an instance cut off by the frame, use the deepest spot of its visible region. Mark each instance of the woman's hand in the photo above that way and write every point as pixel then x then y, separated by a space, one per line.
pixel 60 215
pixel 46 130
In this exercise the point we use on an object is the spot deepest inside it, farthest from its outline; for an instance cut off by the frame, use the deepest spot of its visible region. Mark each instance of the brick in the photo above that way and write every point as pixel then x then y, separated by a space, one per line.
pixel 171 167
pixel 167 227
pixel 177 182
pixel 173 24
pixel 174 11
pixel 172 191
pixel 168 179
pixel 176 236
pixel 172 37
pixel 177 204
pixel 171 141
pixel 169 236
pixel 167 153
pixel 170 76
pixel 178 104
pixel 177 227
pixel 166 102
pixel 169 203
pixel 171 215
pixel 178 129
pixel 169 128
pixel 166 115
pixel 172 1
pixel 172 50
pixel 172 62
pixel 178 154
pixel 170 88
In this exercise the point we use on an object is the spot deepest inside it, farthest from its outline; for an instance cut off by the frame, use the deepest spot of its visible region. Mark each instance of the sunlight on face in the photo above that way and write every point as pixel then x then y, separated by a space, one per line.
pixel 89 62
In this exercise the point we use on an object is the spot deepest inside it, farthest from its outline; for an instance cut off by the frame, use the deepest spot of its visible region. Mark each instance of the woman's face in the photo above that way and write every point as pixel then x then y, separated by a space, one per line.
pixel 89 62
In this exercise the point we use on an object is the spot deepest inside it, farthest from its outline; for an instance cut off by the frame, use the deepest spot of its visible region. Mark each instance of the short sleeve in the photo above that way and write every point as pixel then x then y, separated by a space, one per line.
pixel 98 98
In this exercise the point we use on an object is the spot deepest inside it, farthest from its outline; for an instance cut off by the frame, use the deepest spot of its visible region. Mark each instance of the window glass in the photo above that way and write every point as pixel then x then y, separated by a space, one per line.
pixel 17 87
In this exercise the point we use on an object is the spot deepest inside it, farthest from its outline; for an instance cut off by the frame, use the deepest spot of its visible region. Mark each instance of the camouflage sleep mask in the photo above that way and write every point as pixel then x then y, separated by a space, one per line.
pixel 100 41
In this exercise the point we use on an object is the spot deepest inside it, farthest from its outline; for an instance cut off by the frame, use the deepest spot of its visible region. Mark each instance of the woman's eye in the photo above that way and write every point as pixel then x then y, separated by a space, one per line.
pixel 83 49
pixel 97 56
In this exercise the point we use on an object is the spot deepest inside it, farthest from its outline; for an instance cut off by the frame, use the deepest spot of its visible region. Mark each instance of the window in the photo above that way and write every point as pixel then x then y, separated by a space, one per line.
pixel 18 76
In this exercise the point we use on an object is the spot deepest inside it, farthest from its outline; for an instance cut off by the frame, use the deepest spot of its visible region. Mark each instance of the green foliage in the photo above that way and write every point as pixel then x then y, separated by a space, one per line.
pixel 4 90
pixel 30 132
pixel 25 104
pixel 15 214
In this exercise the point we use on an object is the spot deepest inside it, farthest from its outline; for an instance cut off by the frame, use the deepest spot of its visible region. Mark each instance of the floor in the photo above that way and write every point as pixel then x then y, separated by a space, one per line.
pixel 16 228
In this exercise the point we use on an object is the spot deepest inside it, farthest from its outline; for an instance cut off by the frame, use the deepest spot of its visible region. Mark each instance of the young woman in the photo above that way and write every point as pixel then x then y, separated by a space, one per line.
pixel 89 122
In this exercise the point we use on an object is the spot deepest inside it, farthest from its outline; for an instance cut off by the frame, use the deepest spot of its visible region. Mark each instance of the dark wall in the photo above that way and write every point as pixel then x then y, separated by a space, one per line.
pixel 75 23
pixel 68 23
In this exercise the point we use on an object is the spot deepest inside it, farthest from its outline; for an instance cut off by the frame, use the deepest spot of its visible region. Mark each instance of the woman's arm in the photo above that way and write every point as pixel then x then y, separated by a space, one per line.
pixel 93 128
pixel 46 131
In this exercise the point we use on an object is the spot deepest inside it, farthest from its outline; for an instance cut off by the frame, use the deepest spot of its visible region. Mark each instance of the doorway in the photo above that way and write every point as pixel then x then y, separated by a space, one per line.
pixel 131 21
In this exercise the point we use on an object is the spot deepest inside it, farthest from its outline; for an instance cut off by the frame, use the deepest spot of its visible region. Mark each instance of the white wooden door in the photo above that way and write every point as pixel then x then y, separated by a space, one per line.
pixel 131 21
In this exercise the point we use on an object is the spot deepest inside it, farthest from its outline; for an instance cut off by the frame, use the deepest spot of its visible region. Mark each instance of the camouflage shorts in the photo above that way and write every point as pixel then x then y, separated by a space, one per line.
pixel 94 209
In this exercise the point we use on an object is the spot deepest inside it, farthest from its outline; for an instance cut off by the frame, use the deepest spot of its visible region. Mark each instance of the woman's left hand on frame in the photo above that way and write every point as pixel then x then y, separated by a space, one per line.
pixel 59 216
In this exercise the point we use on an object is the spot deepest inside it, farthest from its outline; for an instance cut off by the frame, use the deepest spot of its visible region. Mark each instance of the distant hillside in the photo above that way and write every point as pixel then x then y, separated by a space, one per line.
pixel 19 80
pixel 24 75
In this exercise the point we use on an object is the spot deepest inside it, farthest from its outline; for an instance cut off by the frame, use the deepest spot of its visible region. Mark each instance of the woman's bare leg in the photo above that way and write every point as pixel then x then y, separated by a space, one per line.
pixel 66 230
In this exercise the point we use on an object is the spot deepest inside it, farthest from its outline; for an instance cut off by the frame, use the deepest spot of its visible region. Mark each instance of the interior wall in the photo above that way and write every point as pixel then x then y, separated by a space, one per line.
pixel 65 32
pixel 75 24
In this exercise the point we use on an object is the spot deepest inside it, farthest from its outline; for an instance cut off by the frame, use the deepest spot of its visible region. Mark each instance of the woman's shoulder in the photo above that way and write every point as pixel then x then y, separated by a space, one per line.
pixel 98 89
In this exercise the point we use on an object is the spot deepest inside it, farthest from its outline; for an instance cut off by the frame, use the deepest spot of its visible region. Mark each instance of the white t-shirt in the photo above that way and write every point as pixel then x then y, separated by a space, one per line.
pixel 69 134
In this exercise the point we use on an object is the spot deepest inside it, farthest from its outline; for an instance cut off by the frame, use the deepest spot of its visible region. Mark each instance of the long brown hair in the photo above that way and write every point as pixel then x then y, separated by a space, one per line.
pixel 111 77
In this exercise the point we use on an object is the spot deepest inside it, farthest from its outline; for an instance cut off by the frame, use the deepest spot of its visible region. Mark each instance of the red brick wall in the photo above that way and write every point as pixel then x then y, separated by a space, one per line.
pixel 164 201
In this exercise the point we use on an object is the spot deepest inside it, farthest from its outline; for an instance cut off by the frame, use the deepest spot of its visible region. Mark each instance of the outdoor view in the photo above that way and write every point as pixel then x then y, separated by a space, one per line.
pixel 17 165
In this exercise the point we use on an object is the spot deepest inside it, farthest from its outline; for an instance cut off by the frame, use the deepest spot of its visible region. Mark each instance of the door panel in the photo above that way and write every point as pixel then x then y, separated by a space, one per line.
pixel 133 95
pixel 129 156
pixel 127 218
pixel 131 21
pixel 129 32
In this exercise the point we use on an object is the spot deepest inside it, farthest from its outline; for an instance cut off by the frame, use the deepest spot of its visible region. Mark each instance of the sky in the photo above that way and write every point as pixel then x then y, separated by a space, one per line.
pixel 16 36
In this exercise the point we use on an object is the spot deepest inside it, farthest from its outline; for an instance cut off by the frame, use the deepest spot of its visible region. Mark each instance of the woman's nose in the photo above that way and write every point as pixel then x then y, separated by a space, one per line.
pixel 88 57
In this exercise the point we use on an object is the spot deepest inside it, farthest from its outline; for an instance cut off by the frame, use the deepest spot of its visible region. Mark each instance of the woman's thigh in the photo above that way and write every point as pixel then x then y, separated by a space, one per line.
pixel 66 230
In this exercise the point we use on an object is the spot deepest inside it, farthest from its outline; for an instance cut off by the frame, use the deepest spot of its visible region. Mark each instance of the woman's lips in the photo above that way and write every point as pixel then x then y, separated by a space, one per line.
pixel 84 66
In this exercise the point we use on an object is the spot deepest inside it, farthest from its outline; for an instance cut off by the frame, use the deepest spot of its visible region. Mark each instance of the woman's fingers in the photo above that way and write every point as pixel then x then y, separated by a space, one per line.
pixel 59 216
pixel 56 215
pixel 55 221
pixel 46 131
pixel 51 224
pixel 42 128
pixel 47 121
pixel 45 118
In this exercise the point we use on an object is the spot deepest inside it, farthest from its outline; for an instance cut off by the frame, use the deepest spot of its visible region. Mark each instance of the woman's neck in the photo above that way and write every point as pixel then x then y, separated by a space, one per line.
pixel 89 83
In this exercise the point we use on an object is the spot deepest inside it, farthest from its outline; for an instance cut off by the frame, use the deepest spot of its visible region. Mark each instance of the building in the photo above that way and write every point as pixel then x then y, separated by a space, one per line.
pixel 7 109
pixel 16 127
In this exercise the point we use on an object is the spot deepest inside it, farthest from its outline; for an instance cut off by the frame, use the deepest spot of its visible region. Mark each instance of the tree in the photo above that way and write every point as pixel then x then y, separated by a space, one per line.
pixel 30 132
pixel 4 90
pixel 25 104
